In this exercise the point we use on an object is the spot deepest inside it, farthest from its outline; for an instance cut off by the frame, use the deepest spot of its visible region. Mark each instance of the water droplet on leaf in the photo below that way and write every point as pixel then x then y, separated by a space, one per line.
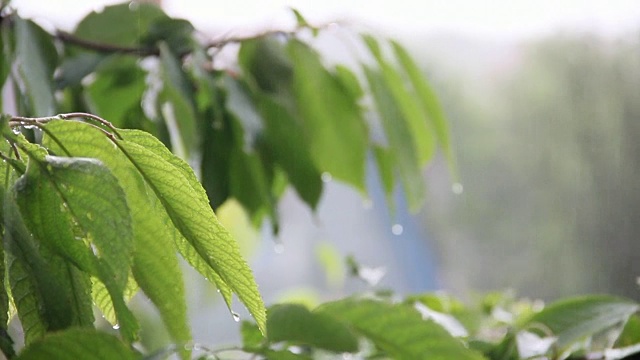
pixel 116 326
pixel 236 316
pixel 326 177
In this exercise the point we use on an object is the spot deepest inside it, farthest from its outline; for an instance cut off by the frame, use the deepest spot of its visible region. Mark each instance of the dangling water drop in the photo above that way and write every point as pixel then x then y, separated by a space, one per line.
pixel 236 316
pixel 326 177
pixel 397 229
pixel 367 204
pixel 457 188
pixel 116 326
pixel 278 248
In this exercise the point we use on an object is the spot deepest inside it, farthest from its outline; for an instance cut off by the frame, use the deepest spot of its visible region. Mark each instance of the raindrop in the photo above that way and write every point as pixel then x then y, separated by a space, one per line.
pixel 89 216
pixel 326 177
pixel 397 229
pixel 16 130
pixel 457 188
pixel 236 316
pixel 116 326
pixel 372 275
pixel 367 204
pixel 278 248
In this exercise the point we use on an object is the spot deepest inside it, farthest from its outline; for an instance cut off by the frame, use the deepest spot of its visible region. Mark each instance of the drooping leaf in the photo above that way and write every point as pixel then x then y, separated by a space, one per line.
pixel 155 265
pixel 428 99
pixel 296 324
pixel 384 160
pixel 249 184
pixel 176 33
pixel 177 104
pixel 401 150
pixel 185 247
pixel 41 301
pixel 36 58
pixel 251 335
pixel 122 25
pixel 265 61
pixel 398 330
pixel 421 133
pixel 284 140
pixel 5 59
pixel 349 81
pixel 116 90
pixel 77 286
pixel 217 142
pixel 188 207
pixel 332 123
pixel 574 319
pixel 86 344
pixel 60 193
pixel 76 67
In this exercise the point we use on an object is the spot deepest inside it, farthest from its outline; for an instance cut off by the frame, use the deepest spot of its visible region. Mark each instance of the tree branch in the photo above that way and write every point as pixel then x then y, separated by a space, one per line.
pixel 69 38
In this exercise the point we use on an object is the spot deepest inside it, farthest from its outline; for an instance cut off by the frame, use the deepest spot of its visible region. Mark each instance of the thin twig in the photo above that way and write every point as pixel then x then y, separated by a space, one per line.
pixel 154 51
pixel 103 47
pixel 15 121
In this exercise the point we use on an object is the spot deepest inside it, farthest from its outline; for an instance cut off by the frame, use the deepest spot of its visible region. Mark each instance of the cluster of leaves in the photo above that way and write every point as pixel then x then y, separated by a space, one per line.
pixel 438 326
pixel 276 115
pixel 92 214
pixel 95 210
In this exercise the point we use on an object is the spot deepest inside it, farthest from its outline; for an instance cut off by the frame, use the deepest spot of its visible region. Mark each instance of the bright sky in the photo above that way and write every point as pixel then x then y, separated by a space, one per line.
pixel 491 18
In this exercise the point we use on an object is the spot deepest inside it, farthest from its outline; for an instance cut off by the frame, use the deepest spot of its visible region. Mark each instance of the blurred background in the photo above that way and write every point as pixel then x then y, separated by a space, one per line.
pixel 543 99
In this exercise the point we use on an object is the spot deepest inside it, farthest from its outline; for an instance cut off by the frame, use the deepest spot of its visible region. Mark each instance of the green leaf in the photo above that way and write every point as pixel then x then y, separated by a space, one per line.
pixel 251 335
pixel 58 197
pixel 332 122
pixel 177 104
pixel 78 344
pixel 77 286
pixel 75 68
pixel 155 266
pixel 176 33
pixel 284 140
pixel 188 207
pixel 117 90
pixel 294 323
pixel 39 297
pixel 265 61
pixel 217 143
pixel 249 184
pixel 122 25
pixel 384 160
pixel 574 319
pixel 185 247
pixel 36 58
pixel 428 100
pixel 398 330
pixel 5 59
pixel 400 150
pixel 631 333
pixel 410 111
pixel 349 81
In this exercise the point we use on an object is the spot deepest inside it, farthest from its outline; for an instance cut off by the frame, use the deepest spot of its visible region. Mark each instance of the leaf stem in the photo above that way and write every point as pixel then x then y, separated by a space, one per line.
pixel 15 121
